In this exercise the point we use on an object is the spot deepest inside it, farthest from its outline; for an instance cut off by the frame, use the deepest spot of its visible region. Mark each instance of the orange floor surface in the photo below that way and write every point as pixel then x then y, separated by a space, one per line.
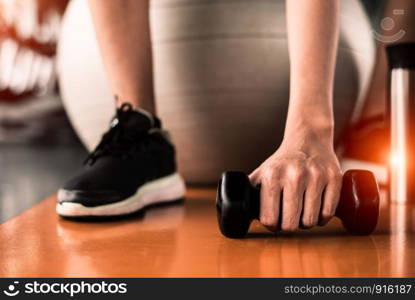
pixel 184 241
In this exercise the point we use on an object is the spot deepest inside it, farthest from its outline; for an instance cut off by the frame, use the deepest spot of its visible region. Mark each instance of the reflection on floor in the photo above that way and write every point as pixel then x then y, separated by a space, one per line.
pixel 38 152
pixel 29 173
pixel 183 241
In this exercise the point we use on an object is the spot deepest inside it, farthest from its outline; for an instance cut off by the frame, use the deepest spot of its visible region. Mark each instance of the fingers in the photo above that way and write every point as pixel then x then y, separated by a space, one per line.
pixel 295 195
pixel 294 188
pixel 331 196
pixel 282 192
pixel 312 200
pixel 270 202
pixel 290 182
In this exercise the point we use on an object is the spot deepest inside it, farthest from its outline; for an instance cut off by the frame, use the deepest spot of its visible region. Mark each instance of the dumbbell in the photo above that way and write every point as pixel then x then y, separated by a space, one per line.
pixel 237 203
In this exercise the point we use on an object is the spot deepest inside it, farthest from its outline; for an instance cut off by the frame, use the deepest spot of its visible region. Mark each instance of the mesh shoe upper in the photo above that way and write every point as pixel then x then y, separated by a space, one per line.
pixel 133 152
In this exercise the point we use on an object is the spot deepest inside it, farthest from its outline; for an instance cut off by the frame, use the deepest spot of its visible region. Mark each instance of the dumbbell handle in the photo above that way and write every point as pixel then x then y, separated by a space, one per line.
pixel 255 205
pixel 364 200
pixel 238 202
pixel 342 210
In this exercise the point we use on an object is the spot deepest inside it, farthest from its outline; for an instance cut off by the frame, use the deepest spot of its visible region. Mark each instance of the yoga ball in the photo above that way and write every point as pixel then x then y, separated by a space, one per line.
pixel 221 75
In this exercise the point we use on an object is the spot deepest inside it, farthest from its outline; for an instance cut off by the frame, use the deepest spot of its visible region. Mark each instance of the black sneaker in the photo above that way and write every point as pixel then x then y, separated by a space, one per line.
pixel 131 168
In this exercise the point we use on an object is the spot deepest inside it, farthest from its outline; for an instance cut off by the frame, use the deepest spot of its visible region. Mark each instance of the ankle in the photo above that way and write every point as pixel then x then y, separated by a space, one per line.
pixel 142 105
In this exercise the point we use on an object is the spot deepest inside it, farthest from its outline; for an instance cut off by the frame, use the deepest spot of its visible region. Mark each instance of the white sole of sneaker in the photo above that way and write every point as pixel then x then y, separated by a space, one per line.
pixel 163 190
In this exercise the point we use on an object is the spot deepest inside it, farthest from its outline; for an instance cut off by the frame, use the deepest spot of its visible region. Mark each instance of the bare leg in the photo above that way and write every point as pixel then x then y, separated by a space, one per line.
pixel 123 32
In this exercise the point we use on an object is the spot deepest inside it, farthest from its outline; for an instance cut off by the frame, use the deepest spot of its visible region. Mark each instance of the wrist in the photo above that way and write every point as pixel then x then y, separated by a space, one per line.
pixel 304 129
pixel 310 123
pixel 310 115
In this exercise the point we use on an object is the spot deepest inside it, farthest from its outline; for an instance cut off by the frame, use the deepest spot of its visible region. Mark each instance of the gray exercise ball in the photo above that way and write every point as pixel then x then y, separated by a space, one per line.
pixel 221 76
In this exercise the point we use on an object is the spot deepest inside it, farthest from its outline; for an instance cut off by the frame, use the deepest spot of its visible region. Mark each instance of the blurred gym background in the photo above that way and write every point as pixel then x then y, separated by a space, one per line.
pixel 38 147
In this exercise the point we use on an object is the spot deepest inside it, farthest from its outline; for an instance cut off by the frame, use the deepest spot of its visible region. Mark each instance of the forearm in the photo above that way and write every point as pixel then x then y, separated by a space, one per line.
pixel 313 37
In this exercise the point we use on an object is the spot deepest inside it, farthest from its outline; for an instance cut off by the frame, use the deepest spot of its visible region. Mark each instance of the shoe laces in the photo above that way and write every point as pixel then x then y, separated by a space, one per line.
pixel 119 140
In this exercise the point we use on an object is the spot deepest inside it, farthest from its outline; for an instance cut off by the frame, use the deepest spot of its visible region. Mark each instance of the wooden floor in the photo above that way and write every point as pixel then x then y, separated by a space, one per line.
pixel 183 241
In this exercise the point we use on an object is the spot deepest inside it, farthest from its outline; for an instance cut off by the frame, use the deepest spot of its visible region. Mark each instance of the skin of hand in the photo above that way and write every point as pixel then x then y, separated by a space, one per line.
pixel 301 181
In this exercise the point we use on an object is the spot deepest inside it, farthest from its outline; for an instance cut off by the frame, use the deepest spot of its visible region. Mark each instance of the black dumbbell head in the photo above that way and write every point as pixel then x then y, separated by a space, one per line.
pixel 233 204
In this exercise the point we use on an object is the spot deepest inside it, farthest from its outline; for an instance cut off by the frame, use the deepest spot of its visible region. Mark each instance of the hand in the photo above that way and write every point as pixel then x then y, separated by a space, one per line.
pixel 303 179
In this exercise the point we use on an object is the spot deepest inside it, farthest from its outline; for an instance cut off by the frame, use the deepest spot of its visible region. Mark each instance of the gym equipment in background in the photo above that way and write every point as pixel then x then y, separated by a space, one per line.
pixel 238 203
pixel 401 106
pixel 221 75
pixel 30 108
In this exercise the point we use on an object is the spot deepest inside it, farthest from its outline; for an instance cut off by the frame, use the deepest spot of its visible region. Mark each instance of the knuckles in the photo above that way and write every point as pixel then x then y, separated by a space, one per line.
pixel 270 176
pixel 334 174
pixel 316 174
pixel 275 176
pixel 296 173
